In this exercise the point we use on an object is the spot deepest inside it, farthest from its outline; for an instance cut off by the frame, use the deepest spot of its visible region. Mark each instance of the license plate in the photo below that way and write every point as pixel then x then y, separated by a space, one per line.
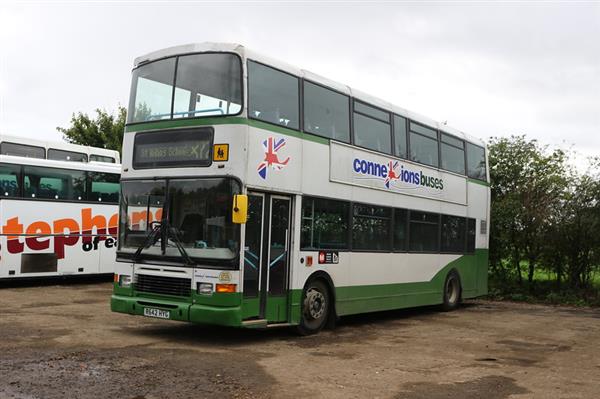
pixel 161 314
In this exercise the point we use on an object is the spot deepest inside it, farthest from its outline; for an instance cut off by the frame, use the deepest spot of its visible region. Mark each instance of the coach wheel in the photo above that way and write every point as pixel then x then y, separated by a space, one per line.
pixel 452 291
pixel 315 308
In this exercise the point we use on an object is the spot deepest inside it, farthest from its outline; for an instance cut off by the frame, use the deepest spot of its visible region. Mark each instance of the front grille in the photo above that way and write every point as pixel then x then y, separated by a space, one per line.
pixel 162 285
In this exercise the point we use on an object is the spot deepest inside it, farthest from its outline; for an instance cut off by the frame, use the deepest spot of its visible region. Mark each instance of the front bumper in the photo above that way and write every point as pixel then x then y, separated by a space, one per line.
pixel 181 311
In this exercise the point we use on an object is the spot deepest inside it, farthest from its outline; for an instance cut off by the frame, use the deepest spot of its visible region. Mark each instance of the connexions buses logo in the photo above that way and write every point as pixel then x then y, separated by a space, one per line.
pixel 393 171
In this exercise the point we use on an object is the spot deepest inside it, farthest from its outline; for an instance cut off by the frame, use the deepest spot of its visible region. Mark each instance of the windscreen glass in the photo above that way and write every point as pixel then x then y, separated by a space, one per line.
pixel 163 217
pixel 186 87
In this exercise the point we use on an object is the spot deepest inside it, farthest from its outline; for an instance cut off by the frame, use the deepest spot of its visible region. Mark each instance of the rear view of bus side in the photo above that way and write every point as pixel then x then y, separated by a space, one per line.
pixel 58 209
pixel 257 194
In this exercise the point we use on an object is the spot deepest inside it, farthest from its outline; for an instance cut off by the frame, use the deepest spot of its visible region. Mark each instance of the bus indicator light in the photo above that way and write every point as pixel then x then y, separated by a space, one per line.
pixel 226 287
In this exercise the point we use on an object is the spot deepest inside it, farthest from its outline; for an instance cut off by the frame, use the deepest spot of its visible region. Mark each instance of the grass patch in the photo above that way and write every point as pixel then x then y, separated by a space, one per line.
pixel 543 290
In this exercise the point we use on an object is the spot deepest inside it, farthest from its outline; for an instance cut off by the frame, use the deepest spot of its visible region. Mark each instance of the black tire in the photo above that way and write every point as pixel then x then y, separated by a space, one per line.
pixel 316 306
pixel 452 291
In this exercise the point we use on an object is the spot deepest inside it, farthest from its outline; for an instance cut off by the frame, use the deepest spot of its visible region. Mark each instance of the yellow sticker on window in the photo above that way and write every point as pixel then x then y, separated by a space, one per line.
pixel 221 152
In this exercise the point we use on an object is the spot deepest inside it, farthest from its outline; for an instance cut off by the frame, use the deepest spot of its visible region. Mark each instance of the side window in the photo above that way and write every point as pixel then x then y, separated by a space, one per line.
pixel 454 230
pixel 372 128
pixel 424 232
pixel 470 235
pixel 371 228
pixel 22 150
pixel 10 178
pixel 272 96
pixel 324 224
pixel 50 183
pixel 101 158
pixel 326 113
pixel 400 229
pixel 476 162
pixel 104 187
pixel 423 145
pixel 453 154
pixel 399 136
pixel 60 155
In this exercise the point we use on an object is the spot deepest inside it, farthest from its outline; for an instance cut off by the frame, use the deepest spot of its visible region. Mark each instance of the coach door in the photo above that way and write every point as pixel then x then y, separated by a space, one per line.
pixel 266 257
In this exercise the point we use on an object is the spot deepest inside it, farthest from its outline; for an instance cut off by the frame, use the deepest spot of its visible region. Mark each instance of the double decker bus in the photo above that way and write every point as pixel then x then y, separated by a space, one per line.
pixel 257 194
pixel 58 209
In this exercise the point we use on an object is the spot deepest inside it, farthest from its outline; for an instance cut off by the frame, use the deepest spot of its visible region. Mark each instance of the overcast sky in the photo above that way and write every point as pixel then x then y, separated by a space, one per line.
pixel 489 69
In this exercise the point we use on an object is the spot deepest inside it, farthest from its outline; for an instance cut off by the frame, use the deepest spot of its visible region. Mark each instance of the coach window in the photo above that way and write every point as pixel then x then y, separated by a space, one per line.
pixel 326 113
pixel 61 155
pixel 324 224
pixel 423 145
pixel 10 177
pixel 453 154
pixel 454 229
pixel 22 150
pixel 371 227
pixel 399 136
pixel 104 187
pixel 400 229
pixel 476 162
pixel 101 158
pixel 51 183
pixel 470 235
pixel 273 96
pixel 372 128
pixel 424 232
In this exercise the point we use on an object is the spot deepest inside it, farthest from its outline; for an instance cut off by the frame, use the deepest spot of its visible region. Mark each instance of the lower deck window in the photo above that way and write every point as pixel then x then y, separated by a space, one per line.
pixel 371 226
pixel 424 232
pixel 324 224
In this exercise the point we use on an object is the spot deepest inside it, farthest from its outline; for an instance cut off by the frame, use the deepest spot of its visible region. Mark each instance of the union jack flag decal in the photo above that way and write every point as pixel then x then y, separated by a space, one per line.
pixel 271 146
pixel 391 173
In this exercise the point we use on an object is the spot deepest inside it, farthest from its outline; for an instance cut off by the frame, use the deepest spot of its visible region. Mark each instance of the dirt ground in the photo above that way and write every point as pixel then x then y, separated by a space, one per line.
pixel 62 341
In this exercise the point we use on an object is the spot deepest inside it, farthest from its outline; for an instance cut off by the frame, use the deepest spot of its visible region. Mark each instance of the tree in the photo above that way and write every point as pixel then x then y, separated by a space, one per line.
pixel 528 186
pixel 105 131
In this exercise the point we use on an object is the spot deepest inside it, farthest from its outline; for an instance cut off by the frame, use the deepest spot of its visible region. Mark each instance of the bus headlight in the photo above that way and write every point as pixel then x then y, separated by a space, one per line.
pixel 125 281
pixel 205 288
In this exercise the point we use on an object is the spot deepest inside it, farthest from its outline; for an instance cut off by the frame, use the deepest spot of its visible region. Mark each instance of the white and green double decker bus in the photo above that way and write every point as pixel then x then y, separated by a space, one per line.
pixel 257 194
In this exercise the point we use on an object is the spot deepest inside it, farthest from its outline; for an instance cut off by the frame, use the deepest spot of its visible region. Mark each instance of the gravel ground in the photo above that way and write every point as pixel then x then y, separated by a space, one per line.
pixel 62 341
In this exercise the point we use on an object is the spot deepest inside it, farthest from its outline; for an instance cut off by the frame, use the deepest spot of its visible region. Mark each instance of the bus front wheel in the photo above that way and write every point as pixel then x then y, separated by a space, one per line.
pixel 315 308
pixel 452 291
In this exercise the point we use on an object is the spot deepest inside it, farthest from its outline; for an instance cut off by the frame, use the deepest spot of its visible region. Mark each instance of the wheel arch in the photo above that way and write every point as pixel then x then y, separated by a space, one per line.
pixel 326 278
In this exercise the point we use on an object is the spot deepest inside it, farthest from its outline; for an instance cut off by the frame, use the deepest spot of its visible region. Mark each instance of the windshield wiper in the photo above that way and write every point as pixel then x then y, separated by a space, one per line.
pixel 172 232
pixel 152 236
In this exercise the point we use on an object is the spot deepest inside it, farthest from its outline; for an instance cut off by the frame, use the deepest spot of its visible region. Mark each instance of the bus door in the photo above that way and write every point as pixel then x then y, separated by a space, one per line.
pixel 266 257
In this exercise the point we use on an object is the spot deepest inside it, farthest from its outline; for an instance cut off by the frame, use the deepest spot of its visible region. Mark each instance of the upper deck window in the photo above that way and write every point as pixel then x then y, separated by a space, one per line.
pixel 475 162
pixel 372 128
pixel 61 155
pixel 22 150
pixel 423 145
pixel 273 96
pixel 101 158
pixel 187 86
pixel 326 113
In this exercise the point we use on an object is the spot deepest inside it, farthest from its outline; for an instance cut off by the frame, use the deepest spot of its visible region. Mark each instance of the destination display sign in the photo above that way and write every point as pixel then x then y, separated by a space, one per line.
pixel 173 148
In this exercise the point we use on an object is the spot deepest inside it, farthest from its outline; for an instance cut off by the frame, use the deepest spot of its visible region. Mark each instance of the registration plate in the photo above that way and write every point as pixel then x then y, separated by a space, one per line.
pixel 161 314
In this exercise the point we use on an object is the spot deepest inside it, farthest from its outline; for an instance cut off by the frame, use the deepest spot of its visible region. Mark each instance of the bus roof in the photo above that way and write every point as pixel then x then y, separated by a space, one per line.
pixel 58 145
pixel 246 53
pixel 104 167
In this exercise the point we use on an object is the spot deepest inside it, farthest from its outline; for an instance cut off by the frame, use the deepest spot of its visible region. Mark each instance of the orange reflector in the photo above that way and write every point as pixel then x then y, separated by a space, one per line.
pixel 226 287
pixel 116 278
pixel 309 261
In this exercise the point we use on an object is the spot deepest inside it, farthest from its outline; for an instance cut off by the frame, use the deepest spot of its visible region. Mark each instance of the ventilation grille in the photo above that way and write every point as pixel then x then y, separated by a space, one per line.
pixel 163 285
pixel 483 227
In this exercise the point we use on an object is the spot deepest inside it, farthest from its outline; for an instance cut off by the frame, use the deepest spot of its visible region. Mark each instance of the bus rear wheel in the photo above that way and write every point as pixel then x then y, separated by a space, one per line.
pixel 452 291
pixel 315 308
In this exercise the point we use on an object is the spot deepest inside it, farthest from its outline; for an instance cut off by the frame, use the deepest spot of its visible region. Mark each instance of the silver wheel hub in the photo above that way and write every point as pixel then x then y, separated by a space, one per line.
pixel 315 304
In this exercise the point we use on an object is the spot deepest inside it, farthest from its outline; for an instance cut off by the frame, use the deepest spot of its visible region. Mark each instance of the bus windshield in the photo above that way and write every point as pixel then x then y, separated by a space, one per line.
pixel 195 214
pixel 187 86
